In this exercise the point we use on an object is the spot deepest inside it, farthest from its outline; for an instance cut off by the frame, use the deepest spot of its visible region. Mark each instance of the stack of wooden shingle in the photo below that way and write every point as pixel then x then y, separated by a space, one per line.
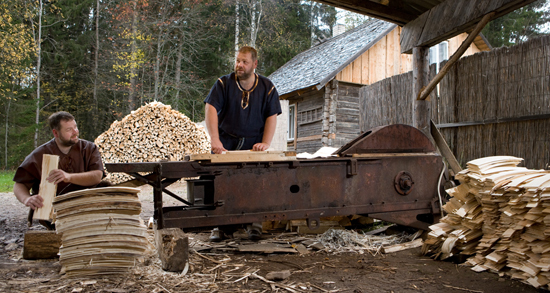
pixel 500 213
pixel 102 231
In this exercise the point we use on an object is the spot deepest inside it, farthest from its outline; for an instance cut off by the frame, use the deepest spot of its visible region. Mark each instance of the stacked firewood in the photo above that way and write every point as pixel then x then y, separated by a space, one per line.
pixel 500 214
pixel 152 133
pixel 102 233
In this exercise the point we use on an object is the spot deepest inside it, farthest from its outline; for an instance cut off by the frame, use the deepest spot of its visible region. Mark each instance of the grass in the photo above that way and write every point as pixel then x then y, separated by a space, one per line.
pixel 6 183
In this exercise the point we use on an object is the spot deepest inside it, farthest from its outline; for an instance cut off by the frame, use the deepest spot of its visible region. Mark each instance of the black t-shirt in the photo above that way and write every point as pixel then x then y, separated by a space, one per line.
pixel 226 97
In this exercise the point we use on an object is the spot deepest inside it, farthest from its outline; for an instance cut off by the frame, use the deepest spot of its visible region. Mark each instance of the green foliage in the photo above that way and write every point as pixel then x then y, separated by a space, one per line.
pixel 6 183
pixel 519 25
pixel 169 51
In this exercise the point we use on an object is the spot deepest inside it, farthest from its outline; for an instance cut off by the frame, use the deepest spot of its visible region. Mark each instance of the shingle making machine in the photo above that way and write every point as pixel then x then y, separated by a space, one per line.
pixel 391 173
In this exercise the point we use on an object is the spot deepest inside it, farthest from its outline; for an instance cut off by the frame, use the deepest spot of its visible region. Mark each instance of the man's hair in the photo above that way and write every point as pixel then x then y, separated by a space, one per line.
pixel 252 51
pixel 56 118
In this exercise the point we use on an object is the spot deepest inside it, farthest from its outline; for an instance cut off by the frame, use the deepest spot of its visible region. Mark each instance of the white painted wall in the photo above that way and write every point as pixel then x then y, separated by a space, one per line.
pixel 281 133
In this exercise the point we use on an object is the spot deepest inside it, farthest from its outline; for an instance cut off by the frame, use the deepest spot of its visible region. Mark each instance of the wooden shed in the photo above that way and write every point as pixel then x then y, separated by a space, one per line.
pixel 322 84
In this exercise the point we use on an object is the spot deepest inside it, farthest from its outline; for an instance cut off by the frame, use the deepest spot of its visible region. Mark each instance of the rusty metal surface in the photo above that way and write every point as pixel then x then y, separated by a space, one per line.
pixel 400 189
pixel 397 138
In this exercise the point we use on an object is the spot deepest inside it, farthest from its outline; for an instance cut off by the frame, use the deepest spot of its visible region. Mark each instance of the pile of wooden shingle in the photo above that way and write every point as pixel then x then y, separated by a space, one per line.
pixel 102 231
pixel 500 213
pixel 155 132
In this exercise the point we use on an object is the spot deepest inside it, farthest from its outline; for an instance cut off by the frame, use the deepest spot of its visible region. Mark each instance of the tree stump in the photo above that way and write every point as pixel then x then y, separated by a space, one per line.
pixel 173 249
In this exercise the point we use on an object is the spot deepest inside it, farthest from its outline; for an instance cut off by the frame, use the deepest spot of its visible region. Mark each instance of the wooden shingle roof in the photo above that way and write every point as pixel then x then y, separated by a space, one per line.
pixel 321 63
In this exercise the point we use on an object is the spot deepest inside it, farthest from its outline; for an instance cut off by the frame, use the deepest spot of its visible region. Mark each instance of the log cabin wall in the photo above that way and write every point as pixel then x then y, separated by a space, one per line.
pixel 491 103
pixel 346 114
pixel 309 121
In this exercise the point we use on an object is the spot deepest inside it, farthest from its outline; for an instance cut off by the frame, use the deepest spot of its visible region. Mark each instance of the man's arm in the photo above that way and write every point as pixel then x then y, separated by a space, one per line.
pixel 269 131
pixel 211 118
pixel 88 178
pixel 22 192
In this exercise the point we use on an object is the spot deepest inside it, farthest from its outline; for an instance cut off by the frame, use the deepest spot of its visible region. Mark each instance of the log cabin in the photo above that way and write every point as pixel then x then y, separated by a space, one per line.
pixel 322 84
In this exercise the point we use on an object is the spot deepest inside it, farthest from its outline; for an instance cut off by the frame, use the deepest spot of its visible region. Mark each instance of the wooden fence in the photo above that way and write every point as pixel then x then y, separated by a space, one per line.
pixel 491 103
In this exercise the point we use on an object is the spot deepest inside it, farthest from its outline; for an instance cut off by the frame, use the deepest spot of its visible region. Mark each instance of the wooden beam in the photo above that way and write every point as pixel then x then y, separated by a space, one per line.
pixel 308 138
pixel 245 156
pixel 444 149
pixel 451 18
pixel 421 109
pixel 392 12
pixel 494 121
pixel 463 47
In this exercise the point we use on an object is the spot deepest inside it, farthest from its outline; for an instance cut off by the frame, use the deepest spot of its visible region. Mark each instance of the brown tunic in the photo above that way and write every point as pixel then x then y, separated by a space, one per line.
pixel 84 156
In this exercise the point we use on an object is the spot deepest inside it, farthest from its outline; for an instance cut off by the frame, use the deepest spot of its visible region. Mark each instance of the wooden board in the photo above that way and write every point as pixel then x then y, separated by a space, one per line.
pixel 266 248
pixel 451 18
pixel 402 246
pixel 47 189
pixel 245 156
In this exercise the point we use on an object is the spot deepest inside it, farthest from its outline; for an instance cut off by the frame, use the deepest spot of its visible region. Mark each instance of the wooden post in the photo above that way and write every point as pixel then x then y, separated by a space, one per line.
pixel 421 108
pixel 47 190
pixel 463 47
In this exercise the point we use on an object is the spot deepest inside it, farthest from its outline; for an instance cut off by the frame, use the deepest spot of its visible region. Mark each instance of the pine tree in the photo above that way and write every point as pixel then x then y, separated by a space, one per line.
pixel 519 25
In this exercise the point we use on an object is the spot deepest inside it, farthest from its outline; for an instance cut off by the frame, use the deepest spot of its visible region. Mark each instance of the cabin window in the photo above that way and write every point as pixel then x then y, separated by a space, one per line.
pixel 439 53
pixel 310 116
pixel 291 120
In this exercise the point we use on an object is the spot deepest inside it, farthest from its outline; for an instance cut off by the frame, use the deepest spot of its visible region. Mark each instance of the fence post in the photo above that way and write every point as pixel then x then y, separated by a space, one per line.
pixel 421 108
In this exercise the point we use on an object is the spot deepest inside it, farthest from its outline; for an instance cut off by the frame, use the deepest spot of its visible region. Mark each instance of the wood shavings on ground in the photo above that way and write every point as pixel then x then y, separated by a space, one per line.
pixel 340 241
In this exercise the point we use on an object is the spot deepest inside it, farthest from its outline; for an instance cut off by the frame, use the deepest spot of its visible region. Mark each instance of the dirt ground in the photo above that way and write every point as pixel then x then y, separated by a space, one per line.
pixel 229 271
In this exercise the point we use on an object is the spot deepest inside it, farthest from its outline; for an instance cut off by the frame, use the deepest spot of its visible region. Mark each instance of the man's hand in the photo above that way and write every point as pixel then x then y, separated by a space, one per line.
pixel 58 175
pixel 217 146
pixel 34 202
pixel 260 147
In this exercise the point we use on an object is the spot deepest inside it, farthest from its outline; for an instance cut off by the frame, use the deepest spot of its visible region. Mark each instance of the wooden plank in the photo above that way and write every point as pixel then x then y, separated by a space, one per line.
pixel 391 52
pixel 444 148
pixel 309 138
pixel 266 248
pixel 402 246
pixel 451 18
pixel 245 156
pixel 47 189
pixel 365 68
pixel 346 73
pixel 378 61
pixel 356 70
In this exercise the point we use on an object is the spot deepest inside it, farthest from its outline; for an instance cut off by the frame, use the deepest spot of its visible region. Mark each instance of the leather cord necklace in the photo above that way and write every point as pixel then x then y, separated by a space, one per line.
pixel 246 93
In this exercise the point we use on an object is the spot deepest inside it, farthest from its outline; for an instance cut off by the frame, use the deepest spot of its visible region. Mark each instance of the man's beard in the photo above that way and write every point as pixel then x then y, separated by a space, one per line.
pixel 244 75
pixel 67 143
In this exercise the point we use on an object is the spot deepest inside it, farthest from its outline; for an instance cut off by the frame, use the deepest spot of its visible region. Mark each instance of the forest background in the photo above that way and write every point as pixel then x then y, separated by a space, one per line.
pixel 102 59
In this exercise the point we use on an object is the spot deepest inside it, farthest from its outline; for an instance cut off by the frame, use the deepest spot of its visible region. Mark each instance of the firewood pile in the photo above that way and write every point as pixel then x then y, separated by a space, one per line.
pixel 102 231
pixel 500 214
pixel 152 133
